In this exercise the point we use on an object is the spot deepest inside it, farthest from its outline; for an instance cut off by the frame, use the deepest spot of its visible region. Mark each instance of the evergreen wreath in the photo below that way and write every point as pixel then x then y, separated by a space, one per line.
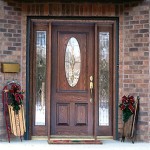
pixel 127 106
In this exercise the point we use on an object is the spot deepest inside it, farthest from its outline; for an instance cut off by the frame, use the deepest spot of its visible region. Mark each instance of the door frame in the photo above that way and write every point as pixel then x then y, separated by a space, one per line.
pixel 114 21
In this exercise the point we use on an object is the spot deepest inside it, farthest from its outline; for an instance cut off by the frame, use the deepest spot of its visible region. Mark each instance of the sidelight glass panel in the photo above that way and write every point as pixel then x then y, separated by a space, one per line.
pixel 40 77
pixel 72 61
pixel 103 78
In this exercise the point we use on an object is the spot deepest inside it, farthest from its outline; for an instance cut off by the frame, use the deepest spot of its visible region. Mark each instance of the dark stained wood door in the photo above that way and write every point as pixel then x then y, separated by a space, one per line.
pixel 68 106
pixel 71 109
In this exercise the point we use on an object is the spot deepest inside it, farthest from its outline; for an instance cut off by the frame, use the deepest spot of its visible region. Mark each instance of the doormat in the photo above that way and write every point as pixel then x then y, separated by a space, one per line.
pixel 52 141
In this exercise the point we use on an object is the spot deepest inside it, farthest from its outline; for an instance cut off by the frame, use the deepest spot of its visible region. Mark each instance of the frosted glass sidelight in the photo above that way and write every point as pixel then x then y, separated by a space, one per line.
pixel 72 61
pixel 103 78
pixel 40 77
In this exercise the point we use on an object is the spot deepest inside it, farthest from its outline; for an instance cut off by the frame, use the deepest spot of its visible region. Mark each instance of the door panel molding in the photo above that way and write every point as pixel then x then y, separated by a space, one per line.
pixel 81 116
pixel 63 111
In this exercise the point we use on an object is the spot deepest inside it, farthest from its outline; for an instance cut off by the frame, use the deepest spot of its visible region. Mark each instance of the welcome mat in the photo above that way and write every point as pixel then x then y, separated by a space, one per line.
pixel 53 141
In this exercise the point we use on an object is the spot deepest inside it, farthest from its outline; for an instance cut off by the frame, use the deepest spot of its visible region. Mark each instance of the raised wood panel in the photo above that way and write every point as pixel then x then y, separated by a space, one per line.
pixel 81 111
pixel 70 9
pixel 63 114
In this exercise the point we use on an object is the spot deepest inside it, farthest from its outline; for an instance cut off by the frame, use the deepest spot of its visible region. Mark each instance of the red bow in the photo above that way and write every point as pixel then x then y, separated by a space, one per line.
pixel 127 102
pixel 18 97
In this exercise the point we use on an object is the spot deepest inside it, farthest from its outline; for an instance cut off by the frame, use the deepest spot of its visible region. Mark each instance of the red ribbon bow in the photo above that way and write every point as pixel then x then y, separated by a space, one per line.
pixel 127 102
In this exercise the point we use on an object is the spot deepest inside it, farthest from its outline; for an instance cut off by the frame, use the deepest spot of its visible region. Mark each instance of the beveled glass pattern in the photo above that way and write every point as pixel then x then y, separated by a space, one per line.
pixel 40 77
pixel 72 61
pixel 103 78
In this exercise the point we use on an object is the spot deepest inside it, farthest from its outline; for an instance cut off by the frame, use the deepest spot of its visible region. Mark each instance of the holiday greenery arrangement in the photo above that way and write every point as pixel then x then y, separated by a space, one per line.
pixel 15 96
pixel 127 106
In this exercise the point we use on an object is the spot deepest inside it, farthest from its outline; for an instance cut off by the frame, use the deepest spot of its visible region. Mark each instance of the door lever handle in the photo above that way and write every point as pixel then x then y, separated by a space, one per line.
pixel 91 89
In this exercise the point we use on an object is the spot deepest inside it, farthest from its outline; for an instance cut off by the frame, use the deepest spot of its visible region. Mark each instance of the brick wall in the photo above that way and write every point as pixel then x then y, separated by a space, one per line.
pixel 134 38
pixel 136 60
pixel 10 47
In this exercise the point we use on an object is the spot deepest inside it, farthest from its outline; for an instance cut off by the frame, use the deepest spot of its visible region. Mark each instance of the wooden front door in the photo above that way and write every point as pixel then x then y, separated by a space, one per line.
pixel 68 59
pixel 72 65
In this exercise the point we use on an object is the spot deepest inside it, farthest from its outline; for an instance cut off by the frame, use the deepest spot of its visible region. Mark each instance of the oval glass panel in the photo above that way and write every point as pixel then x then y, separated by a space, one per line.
pixel 72 61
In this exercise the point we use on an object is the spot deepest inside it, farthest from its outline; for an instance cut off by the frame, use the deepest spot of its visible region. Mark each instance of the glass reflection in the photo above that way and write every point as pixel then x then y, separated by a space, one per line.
pixel 40 77
pixel 103 79
pixel 72 62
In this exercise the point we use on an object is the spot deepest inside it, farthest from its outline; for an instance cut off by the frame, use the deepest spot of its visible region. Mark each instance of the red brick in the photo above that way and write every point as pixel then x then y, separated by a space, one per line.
pixel 138 44
pixel 3 30
pixel 138 62
pixel 144 30
pixel 8 34
pixel 139 26
pixel 12 30
pixel 137 71
pixel 12 21
pixel 146 26
pixel 7 8
pixel 6 52
pixel 11 48
pixel 144 12
pixel 133 49
pixel 138 35
pixel 12 39
pixel 134 22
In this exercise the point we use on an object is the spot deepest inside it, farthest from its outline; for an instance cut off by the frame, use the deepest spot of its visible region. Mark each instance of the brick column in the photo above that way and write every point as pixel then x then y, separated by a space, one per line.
pixel 136 60
pixel 10 46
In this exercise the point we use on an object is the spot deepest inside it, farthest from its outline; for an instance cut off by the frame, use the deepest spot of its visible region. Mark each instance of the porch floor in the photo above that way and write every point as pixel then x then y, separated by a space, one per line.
pixel 43 145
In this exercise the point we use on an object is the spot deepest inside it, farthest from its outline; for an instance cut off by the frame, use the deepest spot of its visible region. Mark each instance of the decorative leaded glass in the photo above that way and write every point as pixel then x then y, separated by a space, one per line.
pixel 103 78
pixel 40 77
pixel 72 61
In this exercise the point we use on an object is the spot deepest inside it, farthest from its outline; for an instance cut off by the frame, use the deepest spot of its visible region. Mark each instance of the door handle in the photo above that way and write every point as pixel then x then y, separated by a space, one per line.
pixel 91 89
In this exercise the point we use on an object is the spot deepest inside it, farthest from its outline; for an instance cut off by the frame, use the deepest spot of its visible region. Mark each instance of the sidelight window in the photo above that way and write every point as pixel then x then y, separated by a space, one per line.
pixel 103 78
pixel 40 77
